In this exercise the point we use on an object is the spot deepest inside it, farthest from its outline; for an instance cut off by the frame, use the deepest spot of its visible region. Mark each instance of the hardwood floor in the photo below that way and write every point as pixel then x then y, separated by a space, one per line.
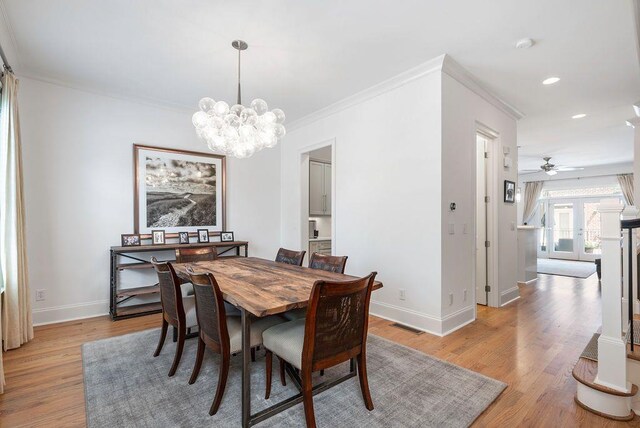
pixel 531 344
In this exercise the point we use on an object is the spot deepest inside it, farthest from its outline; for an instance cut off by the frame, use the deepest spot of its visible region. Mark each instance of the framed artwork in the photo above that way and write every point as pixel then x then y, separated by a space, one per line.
pixel 158 237
pixel 226 236
pixel 183 237
pixel 178 190
pixel 509 191
pixel 130 240
pixel 203 235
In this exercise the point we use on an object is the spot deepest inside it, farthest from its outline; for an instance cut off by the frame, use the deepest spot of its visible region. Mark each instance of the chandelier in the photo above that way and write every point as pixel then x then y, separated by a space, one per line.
pixel 238 131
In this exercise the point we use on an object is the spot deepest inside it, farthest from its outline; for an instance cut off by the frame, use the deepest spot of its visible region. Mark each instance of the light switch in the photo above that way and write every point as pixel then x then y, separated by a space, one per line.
pixel 452 228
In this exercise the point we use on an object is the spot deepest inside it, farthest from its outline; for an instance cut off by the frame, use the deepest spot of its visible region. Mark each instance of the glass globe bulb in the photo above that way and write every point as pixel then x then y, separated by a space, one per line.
pixel 279 131
pixel 269 117
pixel 206 104
pixel 248 116
pixel 199 119
pixel 279 115
pixel 260 106
pixel 236 109
pixel 232 120
pixel 221 108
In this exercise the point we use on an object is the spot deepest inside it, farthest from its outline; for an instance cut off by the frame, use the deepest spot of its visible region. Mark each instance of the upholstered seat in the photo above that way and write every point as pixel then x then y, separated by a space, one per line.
pixel 286 340
pixel 189 304
pixel 186 289
pixel 258 325
pixel 295 314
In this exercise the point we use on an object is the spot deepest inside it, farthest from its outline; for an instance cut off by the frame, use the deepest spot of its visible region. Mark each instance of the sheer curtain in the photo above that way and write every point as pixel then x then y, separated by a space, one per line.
pixel 17 325
pixel 532 191
pixel 626 184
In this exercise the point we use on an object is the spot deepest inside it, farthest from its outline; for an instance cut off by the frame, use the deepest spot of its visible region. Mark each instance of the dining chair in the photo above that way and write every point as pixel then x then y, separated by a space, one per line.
pixel 322 262
pixel 334 331
pixel 290 257
pixel 220 333
pixel 178 311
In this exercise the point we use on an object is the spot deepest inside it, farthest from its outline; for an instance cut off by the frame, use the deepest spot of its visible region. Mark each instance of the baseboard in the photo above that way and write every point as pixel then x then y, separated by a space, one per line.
pixel 458 319
pixel 509 295
pixel 71 312
pixel 423 322
pixel 531 281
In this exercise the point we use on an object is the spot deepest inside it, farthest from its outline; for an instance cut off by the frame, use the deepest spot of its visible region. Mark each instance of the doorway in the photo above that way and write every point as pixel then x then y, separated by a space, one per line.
pixel 482 214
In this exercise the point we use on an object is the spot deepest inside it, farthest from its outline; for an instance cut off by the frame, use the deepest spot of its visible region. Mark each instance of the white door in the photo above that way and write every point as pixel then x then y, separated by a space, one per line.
pixel 481 221
pixel 565 222
pixel 589 229
pixel 327 189
pixel 316 188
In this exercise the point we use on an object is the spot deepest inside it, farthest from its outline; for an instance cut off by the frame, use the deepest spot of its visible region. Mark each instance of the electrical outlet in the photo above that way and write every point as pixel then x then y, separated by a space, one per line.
pixel 464 295
pixel 40 295
pixel 450 299
pixel 403 294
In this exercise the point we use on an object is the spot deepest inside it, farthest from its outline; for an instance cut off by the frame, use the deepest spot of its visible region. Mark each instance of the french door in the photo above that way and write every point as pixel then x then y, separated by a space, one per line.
pixel 569 229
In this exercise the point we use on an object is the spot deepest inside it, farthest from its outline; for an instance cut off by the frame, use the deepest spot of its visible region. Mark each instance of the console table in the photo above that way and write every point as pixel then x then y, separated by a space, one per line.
pixel 134 257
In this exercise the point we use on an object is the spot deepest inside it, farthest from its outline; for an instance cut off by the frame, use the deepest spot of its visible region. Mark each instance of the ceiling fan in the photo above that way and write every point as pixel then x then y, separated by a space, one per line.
pixel 551 169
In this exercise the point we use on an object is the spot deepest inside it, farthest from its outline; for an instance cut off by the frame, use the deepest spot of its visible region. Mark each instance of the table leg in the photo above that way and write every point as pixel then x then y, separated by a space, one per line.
pixel 246 368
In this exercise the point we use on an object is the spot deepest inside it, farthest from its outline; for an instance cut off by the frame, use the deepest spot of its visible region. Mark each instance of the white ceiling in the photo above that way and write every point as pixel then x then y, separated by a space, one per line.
pixel 306 55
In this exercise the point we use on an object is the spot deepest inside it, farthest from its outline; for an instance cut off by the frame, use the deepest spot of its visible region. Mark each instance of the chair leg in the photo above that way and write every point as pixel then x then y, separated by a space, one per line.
pixel 198 364
pixel 283 378
pixel 322 372
pixel 163 334
pixel 364 382
pixel 268 363
pixel 253 355
pixel 175 334
pixel 176 360
pixel 222 383
pixel 307 399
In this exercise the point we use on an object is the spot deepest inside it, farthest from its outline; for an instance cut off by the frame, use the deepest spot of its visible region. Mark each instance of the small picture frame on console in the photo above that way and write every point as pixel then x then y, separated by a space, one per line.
pixel 203 236
pixel 130 240
pixel 183 237
pixel 226 237
pixel 158 237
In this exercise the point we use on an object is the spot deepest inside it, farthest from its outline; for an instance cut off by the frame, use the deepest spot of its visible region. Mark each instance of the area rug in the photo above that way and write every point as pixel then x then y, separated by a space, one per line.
pixel 566 268
pixel 126 387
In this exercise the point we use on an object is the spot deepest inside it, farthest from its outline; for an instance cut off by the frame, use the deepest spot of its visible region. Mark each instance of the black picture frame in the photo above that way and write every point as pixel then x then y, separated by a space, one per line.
pixel 203 236
pixel 158 237
pixel 509 191
pixel 183 237
pixel 226 237
pixel 130 240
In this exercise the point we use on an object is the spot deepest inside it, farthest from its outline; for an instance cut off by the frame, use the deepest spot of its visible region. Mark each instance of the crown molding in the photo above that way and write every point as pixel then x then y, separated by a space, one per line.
pixel 443 63
pixel 148 101
pixel 457 72
pixel 397 81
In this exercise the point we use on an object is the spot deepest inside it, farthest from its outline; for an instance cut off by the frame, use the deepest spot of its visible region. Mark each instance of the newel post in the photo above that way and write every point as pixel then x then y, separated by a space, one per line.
pixel 612 351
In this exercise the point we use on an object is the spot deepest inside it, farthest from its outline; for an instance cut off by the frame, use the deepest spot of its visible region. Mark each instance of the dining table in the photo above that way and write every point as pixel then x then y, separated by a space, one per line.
pixel 260 288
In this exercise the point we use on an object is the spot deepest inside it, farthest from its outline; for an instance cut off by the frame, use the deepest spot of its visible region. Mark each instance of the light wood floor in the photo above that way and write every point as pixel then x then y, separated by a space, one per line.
pixel 531 344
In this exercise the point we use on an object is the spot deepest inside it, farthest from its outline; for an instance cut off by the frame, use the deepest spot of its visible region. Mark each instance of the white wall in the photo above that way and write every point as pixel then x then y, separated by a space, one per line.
pixel 78 161
pixel 462 112
pixel 387 192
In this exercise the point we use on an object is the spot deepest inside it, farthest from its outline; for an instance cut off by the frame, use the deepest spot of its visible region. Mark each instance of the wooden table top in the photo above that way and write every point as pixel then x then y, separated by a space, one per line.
pixel 263 287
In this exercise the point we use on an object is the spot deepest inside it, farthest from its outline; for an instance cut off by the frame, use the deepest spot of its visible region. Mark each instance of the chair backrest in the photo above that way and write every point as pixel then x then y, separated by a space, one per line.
pixel 198 254
pixel 290 257
pixel 337 322
pixel 329 263
pixel 170 292
pixel 212 316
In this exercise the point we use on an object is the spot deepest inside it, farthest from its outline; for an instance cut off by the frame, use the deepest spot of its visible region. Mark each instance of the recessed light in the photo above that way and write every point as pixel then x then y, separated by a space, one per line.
pixel 578 116
pixel 524 43
pixel 550 80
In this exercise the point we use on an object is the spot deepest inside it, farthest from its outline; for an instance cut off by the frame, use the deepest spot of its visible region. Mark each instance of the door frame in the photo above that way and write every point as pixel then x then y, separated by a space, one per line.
pixel 303 157
pixel 493 191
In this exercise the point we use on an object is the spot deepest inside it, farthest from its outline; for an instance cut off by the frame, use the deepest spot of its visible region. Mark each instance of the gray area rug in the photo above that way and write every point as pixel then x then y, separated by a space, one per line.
pixel 126 387
pixel 566 268
pixel 591 350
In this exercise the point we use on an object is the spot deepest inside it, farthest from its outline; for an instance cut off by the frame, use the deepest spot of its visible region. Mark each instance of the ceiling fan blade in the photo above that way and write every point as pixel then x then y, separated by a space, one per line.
pixel 529 171
pixel 568 168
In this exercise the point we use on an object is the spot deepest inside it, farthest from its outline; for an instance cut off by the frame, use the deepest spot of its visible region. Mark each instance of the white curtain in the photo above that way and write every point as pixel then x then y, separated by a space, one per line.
pixel 626 184
pixel 17 325
pixel 532 191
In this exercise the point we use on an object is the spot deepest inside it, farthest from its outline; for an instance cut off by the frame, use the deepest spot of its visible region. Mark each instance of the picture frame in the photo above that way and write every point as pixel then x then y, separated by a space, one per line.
pixel 509 191
pixel 203 236
pixel 226 237
pixel 183 237
pixel 157 237
pixel 178 190
pixel 130 240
